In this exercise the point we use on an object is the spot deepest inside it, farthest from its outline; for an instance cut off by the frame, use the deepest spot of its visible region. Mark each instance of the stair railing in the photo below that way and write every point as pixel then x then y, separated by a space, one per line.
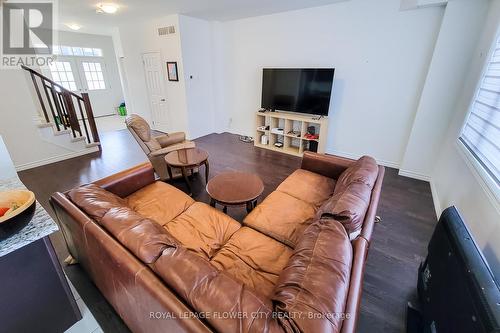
pixel 61 103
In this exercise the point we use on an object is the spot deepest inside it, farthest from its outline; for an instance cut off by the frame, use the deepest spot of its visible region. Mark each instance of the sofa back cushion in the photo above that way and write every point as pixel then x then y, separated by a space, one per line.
pixel 145 238
pixel 351 196
pixel 315 282
pixel 95 201
pixel 364 170
pixel 229 304
pixel 348 206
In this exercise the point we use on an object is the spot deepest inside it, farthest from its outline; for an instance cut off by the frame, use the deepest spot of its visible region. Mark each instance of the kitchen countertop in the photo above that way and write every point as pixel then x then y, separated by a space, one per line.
pixel 41 224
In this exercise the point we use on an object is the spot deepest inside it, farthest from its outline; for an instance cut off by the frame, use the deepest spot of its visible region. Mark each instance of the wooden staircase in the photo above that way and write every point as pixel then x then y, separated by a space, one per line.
pixel 65 111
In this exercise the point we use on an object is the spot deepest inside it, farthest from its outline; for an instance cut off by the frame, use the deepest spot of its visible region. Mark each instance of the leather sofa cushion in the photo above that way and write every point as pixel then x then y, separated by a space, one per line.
pixel 202 228
pixel 210 291
pixel 160 202
pixel 253 258
pixel 145 238
pixel 348 207
pixel 308 186
pixel 282 217
pixel 364 170
pixel 95 201
pixel 316 280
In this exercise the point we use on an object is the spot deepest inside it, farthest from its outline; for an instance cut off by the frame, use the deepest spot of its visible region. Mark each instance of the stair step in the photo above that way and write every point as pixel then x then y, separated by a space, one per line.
pixel 43 125
pixel 77 139
pixel 62 132
pixel 93 144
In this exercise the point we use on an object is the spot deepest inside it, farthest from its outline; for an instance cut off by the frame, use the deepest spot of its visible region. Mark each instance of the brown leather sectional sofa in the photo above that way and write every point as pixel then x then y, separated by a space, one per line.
pixel 169 264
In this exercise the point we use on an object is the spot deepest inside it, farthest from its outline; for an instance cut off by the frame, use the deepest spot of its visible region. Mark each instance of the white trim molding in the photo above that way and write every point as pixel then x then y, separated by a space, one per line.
pixel 435 199
pixel 416 4
pixel 415 175
pixel 355 157
pixel 30 165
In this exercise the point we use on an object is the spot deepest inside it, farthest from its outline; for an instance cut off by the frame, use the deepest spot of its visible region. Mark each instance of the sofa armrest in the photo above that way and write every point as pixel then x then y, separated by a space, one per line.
pixel 326 165
pixel 129 181
pixel 166 140
pixel 360 252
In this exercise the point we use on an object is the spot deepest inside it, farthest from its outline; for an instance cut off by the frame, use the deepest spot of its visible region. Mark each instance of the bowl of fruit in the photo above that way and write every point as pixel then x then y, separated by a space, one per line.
pixel 16 211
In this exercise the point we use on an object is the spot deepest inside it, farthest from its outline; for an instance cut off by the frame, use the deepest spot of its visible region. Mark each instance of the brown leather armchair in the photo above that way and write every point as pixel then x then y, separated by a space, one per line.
pixel 156 147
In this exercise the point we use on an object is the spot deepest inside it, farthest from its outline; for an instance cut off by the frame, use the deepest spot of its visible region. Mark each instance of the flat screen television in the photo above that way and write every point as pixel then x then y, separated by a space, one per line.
pixel 302 90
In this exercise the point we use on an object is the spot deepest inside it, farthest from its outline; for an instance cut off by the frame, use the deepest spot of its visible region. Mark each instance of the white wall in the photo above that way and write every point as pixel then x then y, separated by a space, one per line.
pixel 197 50
pixel 20 109
pixel 103 103
pixel 142 37
pixel 18 121
pixel 454 180
pixel 381 56
pixel 7 170
pixel 449 66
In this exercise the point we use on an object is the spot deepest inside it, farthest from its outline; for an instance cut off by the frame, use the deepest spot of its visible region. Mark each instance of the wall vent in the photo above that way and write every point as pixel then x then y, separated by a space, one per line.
pixel 166 30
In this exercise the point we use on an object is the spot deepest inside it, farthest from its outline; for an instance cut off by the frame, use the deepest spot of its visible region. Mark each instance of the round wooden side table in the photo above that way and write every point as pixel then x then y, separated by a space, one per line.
pixel 187 159
pixel 235 189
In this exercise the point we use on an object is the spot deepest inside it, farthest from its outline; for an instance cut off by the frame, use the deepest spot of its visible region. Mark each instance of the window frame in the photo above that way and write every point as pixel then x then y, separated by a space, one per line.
pixel 90 71
pixel 478 168
pixel 65 71
pixel 58 51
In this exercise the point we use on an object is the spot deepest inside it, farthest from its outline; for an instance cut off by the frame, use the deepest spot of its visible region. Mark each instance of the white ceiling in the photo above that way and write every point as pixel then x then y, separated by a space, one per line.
pixel 83 12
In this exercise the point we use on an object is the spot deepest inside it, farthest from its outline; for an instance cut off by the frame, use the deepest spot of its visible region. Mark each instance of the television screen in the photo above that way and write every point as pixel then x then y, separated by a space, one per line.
pixel 306 90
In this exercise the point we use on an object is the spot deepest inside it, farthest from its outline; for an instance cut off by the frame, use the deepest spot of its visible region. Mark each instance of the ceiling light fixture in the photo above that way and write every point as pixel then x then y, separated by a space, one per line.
pixel 108 8
pixel 73 26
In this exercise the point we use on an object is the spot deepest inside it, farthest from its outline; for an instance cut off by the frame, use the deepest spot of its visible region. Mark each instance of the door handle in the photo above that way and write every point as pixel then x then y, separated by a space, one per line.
pixel 162 100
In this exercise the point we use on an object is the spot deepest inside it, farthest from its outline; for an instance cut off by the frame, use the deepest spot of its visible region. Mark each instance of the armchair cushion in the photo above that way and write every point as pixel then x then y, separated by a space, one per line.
pixel 153 144
pixel 166 140
pixel 177 146
pixel 140 126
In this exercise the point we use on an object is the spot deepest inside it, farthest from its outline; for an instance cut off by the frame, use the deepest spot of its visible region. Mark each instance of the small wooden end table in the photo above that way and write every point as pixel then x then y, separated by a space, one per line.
pixel 235 189
pixel 187 159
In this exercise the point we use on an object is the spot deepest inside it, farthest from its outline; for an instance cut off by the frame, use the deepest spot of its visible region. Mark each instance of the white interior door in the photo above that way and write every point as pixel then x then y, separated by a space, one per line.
pixel 155 83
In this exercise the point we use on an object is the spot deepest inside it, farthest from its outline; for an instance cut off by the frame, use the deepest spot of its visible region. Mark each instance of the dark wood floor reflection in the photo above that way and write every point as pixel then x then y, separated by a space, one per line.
pixel 398 246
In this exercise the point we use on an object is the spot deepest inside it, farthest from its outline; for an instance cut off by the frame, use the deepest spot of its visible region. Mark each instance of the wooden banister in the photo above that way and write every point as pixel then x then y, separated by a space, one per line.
pixel 61 103
pixel 39 96
pixel 90 117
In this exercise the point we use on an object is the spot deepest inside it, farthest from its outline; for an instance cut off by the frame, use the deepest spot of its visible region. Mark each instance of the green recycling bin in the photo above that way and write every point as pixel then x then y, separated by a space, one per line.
pixel 122 110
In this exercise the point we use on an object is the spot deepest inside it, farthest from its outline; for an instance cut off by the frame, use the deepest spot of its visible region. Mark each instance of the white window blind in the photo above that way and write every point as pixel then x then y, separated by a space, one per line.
pixel 481 133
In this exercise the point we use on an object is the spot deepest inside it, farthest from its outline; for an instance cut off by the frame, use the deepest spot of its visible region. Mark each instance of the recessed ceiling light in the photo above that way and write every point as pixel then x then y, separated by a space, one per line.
pixel 108 8
pixel 73 26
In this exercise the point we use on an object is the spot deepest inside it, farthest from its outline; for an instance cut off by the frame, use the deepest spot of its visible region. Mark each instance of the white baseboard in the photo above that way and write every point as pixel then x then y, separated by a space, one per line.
pixel 30 165
pixel 435 199
pixel 355 157
pixel 415 175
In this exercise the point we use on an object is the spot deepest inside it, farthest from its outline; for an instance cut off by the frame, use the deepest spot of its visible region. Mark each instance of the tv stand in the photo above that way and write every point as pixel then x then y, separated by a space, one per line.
pixel 295 127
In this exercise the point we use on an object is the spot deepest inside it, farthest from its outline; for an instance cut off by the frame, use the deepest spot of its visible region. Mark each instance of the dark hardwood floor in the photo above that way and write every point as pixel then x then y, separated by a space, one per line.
pixel 398 245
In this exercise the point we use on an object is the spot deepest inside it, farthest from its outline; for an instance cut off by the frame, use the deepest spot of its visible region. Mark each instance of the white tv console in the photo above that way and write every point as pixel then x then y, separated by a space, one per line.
pixel 293 143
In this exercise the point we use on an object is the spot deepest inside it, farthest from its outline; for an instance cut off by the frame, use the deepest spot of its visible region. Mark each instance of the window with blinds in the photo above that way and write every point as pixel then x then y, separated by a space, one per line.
pixel 481 132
